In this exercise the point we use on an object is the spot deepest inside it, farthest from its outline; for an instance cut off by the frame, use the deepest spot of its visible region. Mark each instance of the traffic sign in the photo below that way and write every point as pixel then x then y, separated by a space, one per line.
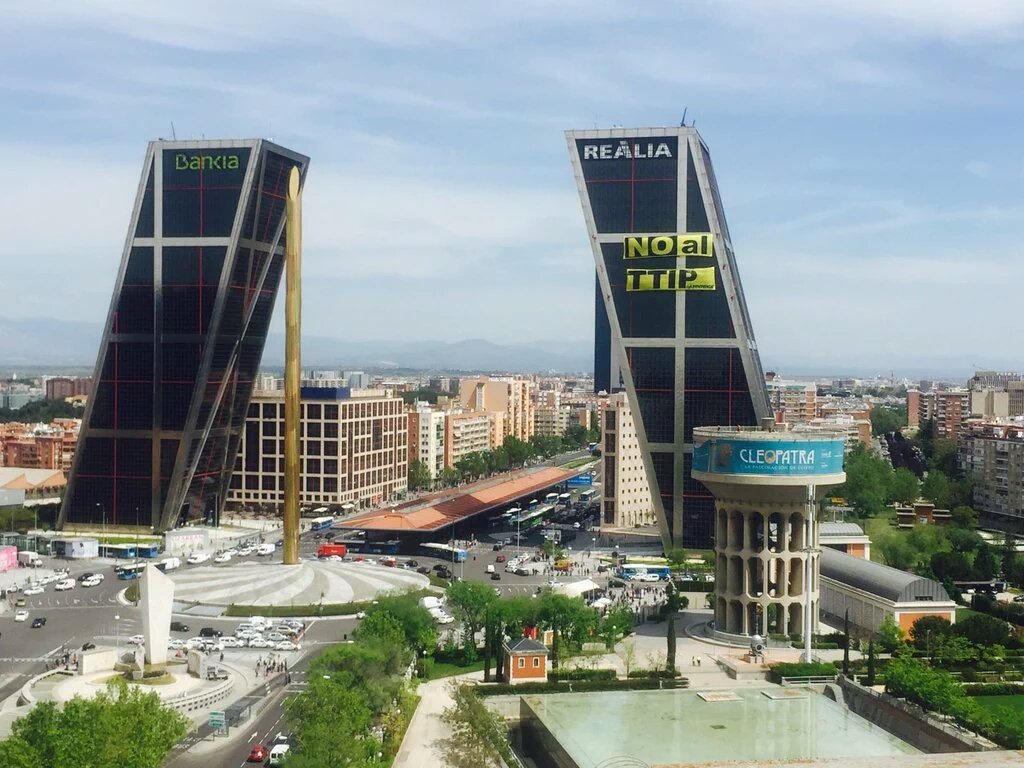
pixel 218 721
pixel 580 480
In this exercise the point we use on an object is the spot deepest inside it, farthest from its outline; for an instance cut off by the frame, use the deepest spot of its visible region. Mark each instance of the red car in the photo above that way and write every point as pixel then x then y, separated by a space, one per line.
pixel 499 559
pixel 258 754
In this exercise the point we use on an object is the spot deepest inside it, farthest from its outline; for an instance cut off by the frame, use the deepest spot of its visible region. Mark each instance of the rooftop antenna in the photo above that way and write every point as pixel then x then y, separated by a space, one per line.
pixel 174 136
pixel 682 123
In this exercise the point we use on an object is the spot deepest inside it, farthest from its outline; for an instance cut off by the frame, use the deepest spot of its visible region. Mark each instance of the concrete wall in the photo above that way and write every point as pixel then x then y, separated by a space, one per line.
pixel 96 660
pixel 907 721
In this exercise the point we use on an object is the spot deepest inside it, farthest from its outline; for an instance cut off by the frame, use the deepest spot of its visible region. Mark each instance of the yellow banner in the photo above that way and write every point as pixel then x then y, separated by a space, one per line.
pixel 691 244
pixel 670 279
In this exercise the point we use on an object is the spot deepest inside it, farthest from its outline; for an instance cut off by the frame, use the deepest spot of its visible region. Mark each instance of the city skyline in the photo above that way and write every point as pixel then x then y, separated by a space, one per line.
pixel 866 161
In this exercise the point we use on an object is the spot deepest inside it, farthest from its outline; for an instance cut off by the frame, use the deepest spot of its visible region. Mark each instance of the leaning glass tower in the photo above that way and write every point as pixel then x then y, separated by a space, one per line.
pixel 184 334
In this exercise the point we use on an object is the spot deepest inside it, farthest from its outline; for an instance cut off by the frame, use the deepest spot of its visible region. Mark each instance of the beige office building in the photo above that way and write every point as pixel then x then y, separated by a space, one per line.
pixel 625 494
pixel 354 450
pixel 511 397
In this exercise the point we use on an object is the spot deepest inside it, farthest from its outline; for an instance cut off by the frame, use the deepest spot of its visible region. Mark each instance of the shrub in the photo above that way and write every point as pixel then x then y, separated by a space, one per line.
pixel 653 674
pixel 557 675
pixel 424 666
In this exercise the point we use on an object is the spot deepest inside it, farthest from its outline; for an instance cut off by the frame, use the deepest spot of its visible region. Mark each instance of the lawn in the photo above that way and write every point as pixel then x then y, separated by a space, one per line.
pixel 578 463
pixel 997 705
pixel 877 528
pixel 964 613
pixel 449 668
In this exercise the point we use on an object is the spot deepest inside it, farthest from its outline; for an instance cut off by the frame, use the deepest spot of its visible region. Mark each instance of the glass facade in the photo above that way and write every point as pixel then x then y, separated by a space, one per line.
pixel 186 329
pixel 691 354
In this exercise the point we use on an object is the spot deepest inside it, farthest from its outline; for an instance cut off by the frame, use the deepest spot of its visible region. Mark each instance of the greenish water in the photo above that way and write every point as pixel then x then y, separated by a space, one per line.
pixel 678 726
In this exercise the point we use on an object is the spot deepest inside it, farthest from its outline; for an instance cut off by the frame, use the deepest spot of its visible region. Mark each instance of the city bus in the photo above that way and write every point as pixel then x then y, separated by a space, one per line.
pixel 321 523
pixel 630 571
pixel 565 498
pixel 587 496
pixel 129 572
pixel 445 552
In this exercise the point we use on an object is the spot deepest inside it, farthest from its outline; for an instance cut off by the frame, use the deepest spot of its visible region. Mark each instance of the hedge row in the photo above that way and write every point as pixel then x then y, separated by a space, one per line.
pixel 582 686
pixel 556 675
pixel 993 689
pixel 653 674
pixel 800 669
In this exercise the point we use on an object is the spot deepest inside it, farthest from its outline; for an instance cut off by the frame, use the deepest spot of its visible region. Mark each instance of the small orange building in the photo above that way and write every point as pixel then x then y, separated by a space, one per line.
pixel 526 660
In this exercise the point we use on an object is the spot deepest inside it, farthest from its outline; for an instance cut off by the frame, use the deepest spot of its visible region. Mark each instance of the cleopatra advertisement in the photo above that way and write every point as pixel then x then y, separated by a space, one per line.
pixel 767 457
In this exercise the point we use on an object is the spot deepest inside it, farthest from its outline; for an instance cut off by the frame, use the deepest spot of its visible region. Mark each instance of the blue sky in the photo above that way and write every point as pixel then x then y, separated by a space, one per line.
pixel 869 156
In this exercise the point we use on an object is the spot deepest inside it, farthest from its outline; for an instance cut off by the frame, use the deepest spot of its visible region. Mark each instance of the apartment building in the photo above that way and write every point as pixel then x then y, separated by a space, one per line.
pixel 993 452
pixel 626 494
pixel 39 446
pixel 793 402
pixel 427 437
pixel 354 449
pixel 61 387
pixel 511 397
pixel 947 408
pixel 553 421
pixel 467 432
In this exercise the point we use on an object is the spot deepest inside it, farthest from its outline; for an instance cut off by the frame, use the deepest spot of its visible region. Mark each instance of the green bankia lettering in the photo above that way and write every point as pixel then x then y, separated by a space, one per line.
pixel 184 162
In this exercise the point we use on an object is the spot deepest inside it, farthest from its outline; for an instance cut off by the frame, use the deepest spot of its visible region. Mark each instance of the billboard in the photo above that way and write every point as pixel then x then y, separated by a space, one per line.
pixel 580 480
pixel 769 457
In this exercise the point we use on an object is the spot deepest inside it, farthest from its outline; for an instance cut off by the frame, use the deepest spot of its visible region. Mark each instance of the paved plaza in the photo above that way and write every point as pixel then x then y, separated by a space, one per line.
pixel 308 583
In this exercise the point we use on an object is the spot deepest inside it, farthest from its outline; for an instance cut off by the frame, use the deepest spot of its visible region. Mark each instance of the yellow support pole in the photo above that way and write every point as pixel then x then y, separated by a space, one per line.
pixel 292 367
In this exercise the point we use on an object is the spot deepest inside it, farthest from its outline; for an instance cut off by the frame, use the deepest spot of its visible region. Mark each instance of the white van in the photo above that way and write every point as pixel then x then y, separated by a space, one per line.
pixel 260 622
pixel 169 563
pixel 265 549
pixel 490 569
pixel 277 754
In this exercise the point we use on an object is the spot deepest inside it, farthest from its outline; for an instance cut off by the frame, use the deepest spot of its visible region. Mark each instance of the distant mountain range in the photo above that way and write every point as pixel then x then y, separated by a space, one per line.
pixel 43 343
pixel 40 344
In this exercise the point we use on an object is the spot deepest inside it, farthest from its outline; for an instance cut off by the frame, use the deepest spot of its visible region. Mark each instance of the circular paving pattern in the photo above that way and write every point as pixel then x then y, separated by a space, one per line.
pixel 308 583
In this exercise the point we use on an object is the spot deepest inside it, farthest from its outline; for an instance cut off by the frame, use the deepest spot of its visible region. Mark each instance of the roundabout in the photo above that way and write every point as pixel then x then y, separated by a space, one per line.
pixel 308 583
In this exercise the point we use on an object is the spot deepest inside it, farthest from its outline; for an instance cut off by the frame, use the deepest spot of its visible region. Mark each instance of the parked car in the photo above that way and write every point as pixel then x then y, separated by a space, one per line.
pixel 39 622
pixel 261 642
pixel 287 645
pixel 412 564
pixel 423 569
pixel 495 576
pixel 20 602
pixel 265 549
pixel 223 557
pixel 275 637
pixel 94 582
pixel 231 642
pixel 21 615
pixel 213 644
pixel 179 626
pixel 137 640
pixel 499 559
pixel 210 632
pixel 86 575
pixel 197 557
pixel 64 585
pixel 176 644
pixel 36 590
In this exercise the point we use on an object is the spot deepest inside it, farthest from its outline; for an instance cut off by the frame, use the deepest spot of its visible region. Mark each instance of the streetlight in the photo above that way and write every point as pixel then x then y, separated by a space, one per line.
pixel 117 634
pixel 103 513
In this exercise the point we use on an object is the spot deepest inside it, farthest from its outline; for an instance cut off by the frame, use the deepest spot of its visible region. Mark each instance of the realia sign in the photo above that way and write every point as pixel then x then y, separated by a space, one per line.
pixel 773 458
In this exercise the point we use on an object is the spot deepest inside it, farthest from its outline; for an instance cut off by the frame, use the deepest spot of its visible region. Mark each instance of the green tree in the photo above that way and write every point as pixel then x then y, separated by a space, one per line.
pixel 575 436
pixel 676 557
pixel 867 481
pixel 890 636
pixel 897 551
pixel 570 619
pixel 92 731
pixel 964 517
pixel 928 630
pixel 983 630
pixel 904 487
pixel 418 627
pixel 478 737
pixel 871 663
pixel 616 623
pixel 672 606
pixel 419 475
pixel 43 411
pixel 951 565
pixel 885 419
pixel 944 457
pixel 519 451
pixel 1009 552
pixel 469 601
pixel 449 477
pixel 936 488
pixel 331 723
pixel 986 562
